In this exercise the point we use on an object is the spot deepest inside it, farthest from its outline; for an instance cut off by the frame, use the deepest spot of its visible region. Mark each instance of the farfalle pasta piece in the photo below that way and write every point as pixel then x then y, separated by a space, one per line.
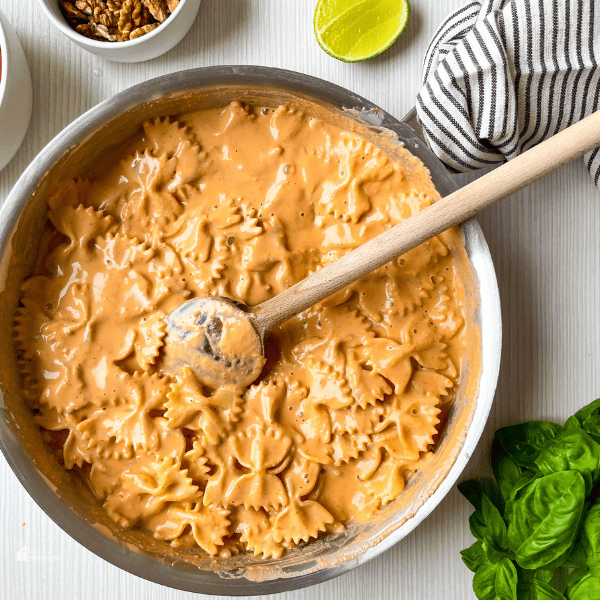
pixel 265 399
pixel 188 406
pixel 122 429
pixel 392 297
pixel 165 134
pixel 256 532
pixel 327 386
pixel 367 387
pixel 264 452
pixel 347 446
pixel 145 340
pixel 29 320
pixel 221 254
pixel 196 463
pixel 286 122
pixel 119 251
pixel 152 331
pixel 389 480
pixel 340 328
pixel 67 192
pixel 191 165
pixel 356 419
pixel 408 425
pixel 208 525
pixel 415 264
pixel 75 450
pixel 368 462
pixel 430 383
pixel 62 385
pixel 448 321
pixel 432 357
pixel 73 311
pixel 154 174
pixel 301 520
pixel 250 226
pixel 359 163
pixel 152 205
pixel 191 236
pixel 226 213
pixel 81 224
pixel 220 483
pixel 391 360
pixel 35 292
pixel 264 254
pixel 235 116
pixel 144 493
pixel 315 422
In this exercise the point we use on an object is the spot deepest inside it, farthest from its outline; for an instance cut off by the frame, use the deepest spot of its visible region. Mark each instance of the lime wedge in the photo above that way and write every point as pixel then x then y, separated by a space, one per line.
pixel 356 30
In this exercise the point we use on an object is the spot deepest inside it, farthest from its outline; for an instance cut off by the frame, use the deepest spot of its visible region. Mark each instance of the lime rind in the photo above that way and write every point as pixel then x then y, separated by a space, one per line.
pixel 324 11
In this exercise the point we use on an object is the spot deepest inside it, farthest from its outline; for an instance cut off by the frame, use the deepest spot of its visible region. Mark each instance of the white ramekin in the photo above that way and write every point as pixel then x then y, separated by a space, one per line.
pixel 16 93
pixel 162 39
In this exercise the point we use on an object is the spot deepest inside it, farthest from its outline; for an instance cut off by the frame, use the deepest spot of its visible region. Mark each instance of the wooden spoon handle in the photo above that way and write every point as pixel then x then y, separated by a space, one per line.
pixel 451 210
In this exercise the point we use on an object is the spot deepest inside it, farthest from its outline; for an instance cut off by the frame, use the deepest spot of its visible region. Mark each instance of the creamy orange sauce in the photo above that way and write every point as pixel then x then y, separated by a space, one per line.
pixel 240 202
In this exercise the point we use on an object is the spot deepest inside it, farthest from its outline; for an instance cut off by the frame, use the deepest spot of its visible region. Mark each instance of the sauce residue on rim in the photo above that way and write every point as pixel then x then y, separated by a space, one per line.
pixel 241 202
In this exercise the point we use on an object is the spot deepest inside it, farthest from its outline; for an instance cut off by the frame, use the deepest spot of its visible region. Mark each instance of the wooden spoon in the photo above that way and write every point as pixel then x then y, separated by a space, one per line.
pixel 223 341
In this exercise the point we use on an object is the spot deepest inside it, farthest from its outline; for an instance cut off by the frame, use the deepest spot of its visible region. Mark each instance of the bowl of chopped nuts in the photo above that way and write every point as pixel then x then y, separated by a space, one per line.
pixel 123 30
pixel 16 92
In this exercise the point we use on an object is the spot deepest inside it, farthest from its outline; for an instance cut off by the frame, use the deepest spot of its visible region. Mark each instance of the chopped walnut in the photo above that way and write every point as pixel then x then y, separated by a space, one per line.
pixel 157 8
pixel 73 13
pixel 102 31
pixel 116 20
pixel 136 33
pixel 87 29
pixel 125 23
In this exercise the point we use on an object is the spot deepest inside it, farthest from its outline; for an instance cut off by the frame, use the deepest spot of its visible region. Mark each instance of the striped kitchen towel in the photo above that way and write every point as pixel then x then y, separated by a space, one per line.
pixel 502 75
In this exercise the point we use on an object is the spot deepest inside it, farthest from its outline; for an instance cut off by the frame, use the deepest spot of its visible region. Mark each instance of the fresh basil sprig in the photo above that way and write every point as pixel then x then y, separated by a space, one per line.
pixel 541 541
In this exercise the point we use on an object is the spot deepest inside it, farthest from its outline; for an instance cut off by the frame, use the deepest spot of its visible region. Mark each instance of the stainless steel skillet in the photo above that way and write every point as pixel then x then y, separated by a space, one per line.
pixel 99 132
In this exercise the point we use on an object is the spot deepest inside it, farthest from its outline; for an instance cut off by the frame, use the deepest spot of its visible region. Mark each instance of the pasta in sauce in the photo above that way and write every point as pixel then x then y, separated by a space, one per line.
pixel 240 202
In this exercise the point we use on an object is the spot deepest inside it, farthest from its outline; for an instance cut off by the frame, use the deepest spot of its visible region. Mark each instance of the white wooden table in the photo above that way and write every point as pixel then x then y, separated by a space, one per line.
pixel 544 242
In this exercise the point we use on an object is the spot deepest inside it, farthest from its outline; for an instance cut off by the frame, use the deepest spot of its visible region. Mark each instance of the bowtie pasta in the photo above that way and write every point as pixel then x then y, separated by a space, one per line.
pixel 240 202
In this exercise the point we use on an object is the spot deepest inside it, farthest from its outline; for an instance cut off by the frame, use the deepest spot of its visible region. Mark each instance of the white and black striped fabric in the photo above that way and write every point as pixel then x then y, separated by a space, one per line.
pixel 502 75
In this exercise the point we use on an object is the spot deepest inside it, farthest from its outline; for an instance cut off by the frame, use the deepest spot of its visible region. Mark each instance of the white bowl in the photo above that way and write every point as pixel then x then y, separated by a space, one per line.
pixel 162 39
pixel 16 93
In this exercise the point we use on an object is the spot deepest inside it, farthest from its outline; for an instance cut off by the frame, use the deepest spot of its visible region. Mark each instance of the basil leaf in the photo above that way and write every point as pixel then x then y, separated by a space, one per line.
pixel 590 539
pixel 577 558
pixel 589 417
pixel 472 490
pixel 572 423
pixel 506 470
pixel 527 476
pixel 537 590
pixel 544 518
pixel 487 525
pixel 523 442
pixel 572 450
pixel 496 582
pixel 473 556
pixel 544 575
pixel 577 562
pixel 587 588
pixel 575 575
